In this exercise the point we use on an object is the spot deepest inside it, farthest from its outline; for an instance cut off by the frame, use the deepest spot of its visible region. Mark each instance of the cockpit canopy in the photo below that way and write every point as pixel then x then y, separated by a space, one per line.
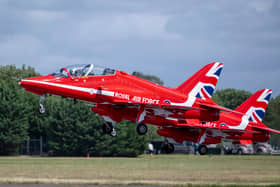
pixel 83 70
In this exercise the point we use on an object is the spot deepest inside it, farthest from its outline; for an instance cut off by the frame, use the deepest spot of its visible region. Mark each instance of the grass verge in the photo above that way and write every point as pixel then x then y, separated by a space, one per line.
pixel 170 170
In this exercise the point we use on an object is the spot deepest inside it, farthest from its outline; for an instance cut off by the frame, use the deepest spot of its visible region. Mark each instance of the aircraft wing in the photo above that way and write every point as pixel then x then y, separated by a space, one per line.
pixel 212 126
pixel 163 106
pixel 215 106
pixel 266 129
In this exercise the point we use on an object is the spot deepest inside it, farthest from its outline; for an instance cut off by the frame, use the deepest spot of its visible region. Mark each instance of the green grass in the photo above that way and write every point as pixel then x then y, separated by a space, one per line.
pixel 163 169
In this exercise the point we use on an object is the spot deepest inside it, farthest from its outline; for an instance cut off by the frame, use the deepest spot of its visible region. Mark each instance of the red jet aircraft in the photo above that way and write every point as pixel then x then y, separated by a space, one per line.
pixel 241 126
pixel 120 96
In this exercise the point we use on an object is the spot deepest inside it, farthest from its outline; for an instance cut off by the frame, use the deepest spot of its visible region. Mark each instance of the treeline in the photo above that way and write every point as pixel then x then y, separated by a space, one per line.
pixel 73 130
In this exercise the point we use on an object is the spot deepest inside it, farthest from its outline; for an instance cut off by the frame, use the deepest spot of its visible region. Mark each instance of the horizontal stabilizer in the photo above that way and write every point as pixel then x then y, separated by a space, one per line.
pixel 218 107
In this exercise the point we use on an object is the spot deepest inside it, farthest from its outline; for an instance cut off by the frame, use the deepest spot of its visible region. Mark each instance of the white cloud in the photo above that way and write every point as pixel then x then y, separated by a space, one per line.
pixel 20 46
pixel 126 26
pixel 43 16
pixel 261 6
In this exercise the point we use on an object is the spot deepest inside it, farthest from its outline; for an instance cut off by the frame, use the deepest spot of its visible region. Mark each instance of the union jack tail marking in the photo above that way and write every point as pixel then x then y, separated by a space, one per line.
pixel 254 107
pixel 203 83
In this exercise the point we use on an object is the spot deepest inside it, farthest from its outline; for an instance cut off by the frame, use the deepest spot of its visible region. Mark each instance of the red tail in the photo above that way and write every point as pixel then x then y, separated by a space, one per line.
pixel 203 83
pixel 255 105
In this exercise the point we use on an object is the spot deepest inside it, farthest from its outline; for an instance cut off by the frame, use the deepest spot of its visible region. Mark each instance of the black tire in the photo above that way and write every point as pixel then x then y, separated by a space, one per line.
pixel 142 129
pixel 202 149
pixel 240 152
pixel 113 133
pixel 42 109
pixel 107 128
pixel 259 151
pixel 168 148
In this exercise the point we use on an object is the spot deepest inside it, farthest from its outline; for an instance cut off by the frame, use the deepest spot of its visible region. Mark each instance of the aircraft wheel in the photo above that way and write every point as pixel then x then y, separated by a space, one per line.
pixel 202 149
pixel 113 132
pixel 260 151
pixel 42 109
pixel 240 152
pixel 141 129
pixel 107 128
pixel 168 148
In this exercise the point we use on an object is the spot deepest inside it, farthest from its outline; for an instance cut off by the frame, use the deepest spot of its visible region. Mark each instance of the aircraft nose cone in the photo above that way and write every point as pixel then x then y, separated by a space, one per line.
pixel 21 83
pixel 34 84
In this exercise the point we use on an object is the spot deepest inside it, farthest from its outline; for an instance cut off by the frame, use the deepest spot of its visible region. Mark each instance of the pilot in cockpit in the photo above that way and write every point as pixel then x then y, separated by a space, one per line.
pixel 83 71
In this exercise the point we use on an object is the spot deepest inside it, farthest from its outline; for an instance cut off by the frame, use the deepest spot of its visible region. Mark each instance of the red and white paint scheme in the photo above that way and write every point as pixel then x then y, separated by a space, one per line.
pixel 178 112
pixel 242 125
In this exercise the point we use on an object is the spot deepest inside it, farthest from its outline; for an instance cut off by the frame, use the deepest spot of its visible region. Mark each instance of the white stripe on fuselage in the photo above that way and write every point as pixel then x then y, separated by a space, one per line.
pixel 77 88
pixel 242 125
pixel 188 103
pixel 245 120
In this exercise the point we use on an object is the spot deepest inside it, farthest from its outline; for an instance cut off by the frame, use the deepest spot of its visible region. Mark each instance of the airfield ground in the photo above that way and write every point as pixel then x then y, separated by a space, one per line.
pixel 169 170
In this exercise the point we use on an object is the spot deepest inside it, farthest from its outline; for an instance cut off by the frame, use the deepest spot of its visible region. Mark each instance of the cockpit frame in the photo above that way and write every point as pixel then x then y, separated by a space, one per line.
pixel 83 70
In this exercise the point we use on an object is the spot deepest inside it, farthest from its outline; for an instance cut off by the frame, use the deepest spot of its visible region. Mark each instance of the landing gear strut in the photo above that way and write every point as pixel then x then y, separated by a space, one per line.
pixel 42 109
pixel 202 149
pixel 109 129
pixel 168 148
pixel 141 128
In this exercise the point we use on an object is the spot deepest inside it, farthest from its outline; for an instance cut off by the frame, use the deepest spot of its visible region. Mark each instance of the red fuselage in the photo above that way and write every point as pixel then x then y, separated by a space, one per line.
pixel 111 91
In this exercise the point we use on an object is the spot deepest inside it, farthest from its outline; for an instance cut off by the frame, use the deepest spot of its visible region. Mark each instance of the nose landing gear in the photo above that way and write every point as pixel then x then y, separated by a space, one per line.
pixel 42 109
pixel 108 128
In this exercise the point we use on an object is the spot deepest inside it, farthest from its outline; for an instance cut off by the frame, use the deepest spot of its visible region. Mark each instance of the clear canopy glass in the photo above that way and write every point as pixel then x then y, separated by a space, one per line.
pixel 83 70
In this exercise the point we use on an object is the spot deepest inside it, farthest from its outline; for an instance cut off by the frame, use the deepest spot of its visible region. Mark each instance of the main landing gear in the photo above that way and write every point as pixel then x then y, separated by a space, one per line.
pixel 202 149
pixel 108 128
pixel 168 148
pixel 141 129
pixel 42 109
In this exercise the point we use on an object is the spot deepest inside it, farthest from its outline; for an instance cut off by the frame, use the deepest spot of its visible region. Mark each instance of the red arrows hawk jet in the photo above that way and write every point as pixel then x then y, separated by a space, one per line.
pixel 242 126
pixel 120 96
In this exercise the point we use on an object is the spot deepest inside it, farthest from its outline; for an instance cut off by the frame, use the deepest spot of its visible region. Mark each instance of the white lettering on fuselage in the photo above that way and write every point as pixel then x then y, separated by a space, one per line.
pixel 122 96
pixel 137 99
pixel 150 101
pixel 209 124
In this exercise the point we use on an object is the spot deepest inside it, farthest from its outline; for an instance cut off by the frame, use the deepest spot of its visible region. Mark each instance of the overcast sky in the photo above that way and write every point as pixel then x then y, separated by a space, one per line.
pixel 171 39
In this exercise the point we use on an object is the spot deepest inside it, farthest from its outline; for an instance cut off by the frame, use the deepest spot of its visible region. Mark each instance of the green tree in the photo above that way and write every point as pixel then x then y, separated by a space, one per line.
pixel 74 131
pixel 231 98
pixel 13 109
pixel 272 119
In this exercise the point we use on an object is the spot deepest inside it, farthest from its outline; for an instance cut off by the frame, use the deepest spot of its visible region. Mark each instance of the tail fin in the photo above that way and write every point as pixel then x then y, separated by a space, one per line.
pixel 254 107
pixel 203 83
